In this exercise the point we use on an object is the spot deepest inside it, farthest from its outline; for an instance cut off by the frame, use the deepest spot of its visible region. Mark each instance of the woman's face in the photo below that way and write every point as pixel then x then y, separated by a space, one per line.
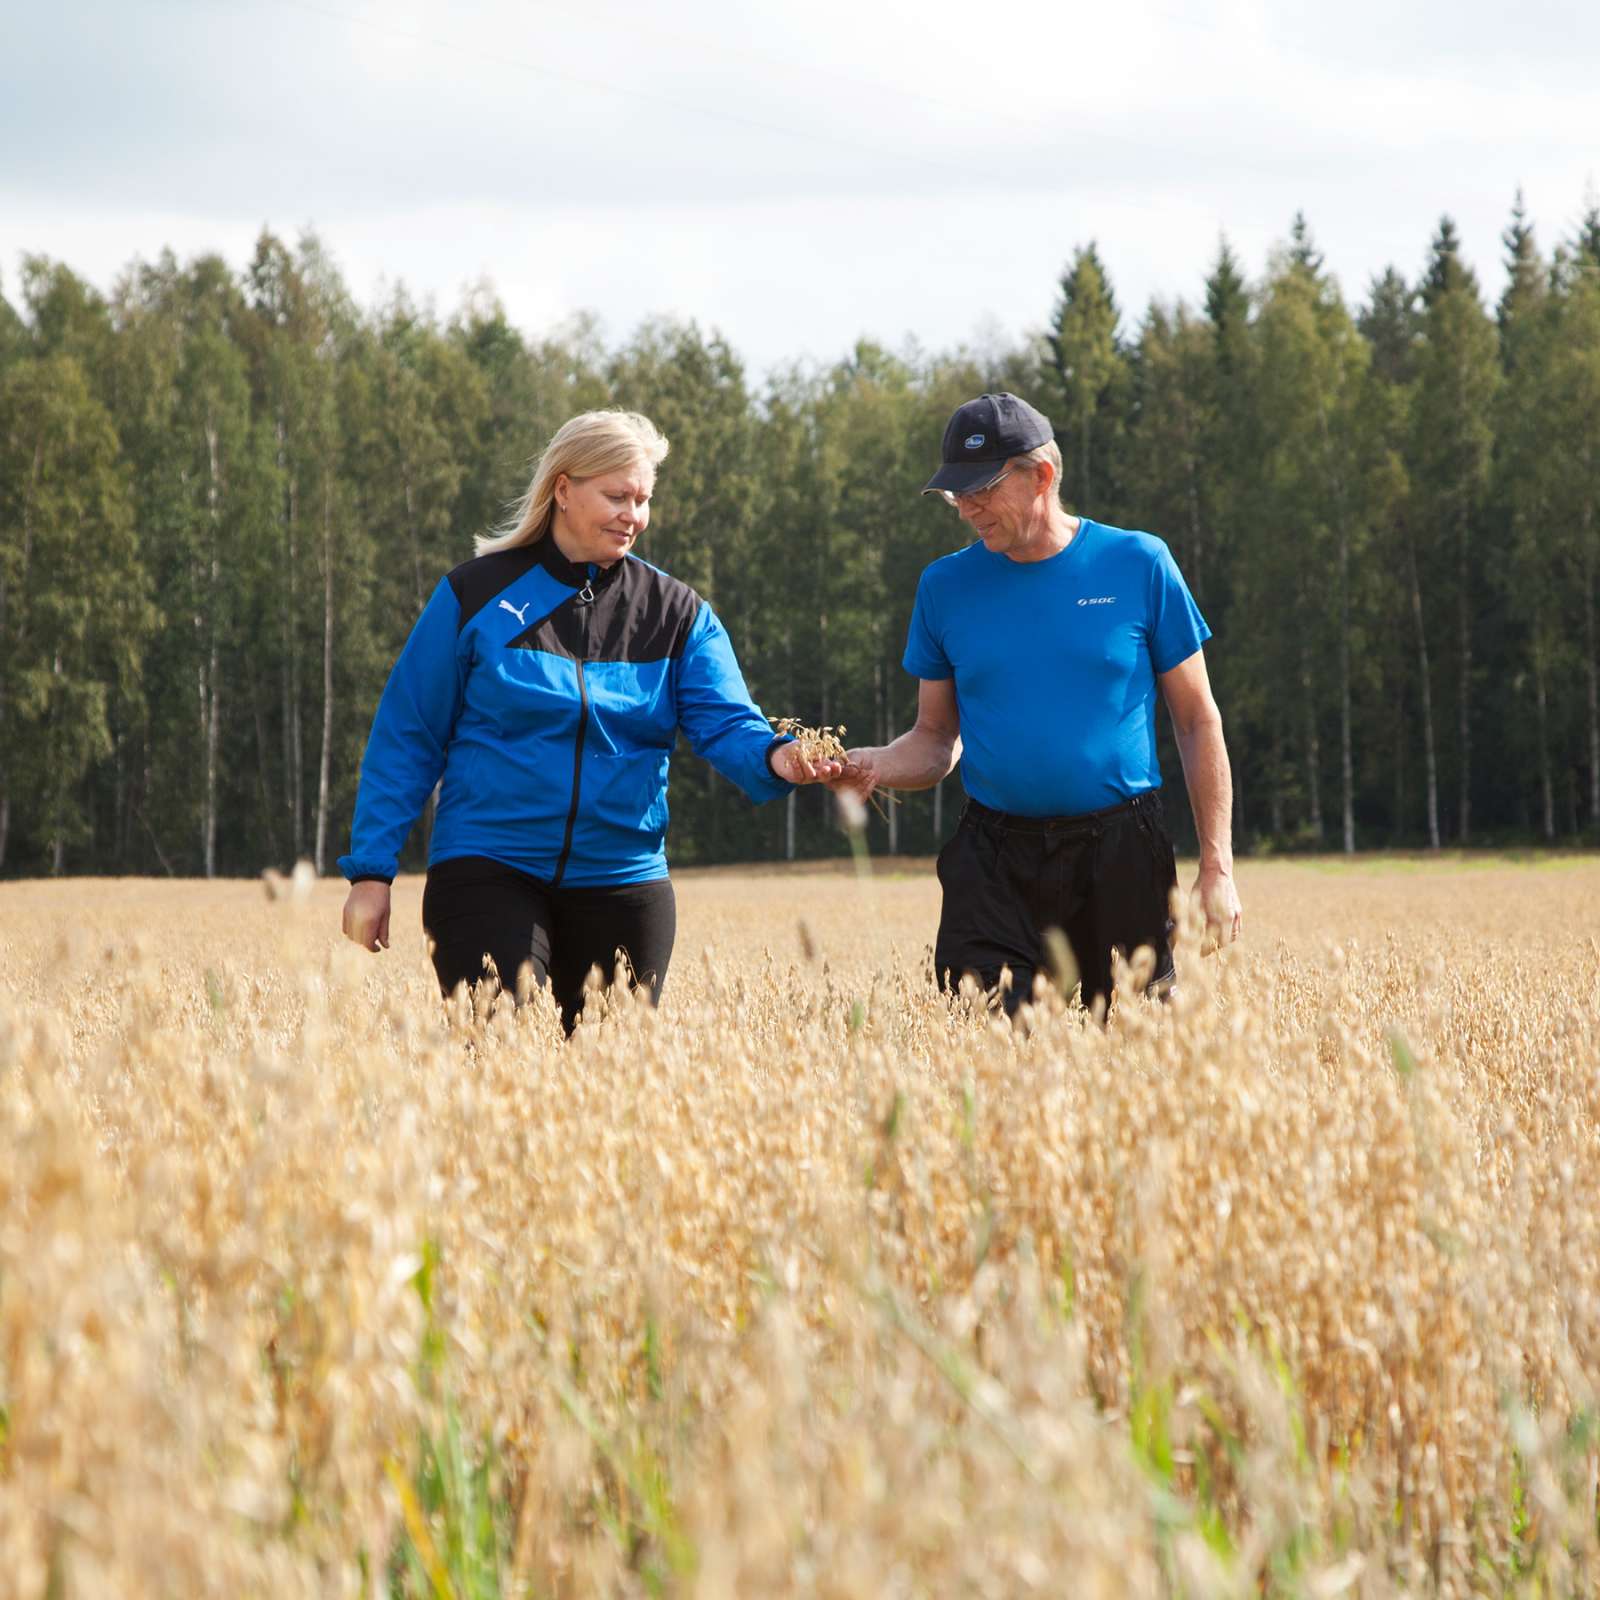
pixel 598 519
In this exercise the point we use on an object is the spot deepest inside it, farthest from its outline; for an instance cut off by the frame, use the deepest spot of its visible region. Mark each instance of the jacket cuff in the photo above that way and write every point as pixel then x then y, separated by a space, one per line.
pixel 367 869
pixel 782 739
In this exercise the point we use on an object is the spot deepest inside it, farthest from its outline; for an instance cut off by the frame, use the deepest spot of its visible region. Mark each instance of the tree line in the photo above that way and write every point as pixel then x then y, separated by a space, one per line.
pixel 225 496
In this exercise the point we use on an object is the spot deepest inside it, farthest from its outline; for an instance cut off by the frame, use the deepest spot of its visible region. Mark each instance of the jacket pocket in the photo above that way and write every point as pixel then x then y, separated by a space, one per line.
pixel 627 791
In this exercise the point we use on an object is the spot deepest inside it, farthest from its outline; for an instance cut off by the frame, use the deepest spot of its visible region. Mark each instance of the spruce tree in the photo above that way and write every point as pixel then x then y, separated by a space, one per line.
pixel 1448 459
pixel 1091 378
pixel 1570 459
pixel 1446 270
pixel 1587 243
pixel 1535 586
pixel 1526 278
pixel 1303 251
pixel 1228 447
pixel 1310 478
pixel 1390 325
pixel 1227 299
pixel 1174 403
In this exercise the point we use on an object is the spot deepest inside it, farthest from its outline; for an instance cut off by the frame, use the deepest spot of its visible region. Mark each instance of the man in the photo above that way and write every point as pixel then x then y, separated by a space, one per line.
pixel 1040 648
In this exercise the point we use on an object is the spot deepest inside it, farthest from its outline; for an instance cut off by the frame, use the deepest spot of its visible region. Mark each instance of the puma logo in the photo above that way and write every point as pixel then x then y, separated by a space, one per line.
pixel 519 614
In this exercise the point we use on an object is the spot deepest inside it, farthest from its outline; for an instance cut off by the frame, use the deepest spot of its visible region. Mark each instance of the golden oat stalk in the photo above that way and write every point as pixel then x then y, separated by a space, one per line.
pixel 827 744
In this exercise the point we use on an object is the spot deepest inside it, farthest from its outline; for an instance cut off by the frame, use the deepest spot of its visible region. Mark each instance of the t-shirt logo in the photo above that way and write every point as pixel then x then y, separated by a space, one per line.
pixel 1098 600
pixel 973 441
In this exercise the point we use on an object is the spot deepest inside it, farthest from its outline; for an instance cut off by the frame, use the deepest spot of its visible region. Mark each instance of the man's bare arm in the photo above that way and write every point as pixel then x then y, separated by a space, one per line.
pixel 920 757
pixel 1198 725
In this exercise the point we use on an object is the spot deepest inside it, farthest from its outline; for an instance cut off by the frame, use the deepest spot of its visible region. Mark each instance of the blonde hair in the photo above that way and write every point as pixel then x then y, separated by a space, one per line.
pixel 584 446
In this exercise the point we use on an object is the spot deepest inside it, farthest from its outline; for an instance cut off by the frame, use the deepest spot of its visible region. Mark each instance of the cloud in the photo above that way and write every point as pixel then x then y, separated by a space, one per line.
pixel 797 176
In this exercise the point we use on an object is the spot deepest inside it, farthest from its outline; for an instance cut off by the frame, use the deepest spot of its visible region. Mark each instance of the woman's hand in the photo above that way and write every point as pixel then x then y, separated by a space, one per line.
pixel 793 767
pixel 366 914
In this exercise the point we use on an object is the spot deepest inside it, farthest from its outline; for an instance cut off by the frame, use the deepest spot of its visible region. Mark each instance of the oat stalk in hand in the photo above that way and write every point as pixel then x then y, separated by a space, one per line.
pixel 827 744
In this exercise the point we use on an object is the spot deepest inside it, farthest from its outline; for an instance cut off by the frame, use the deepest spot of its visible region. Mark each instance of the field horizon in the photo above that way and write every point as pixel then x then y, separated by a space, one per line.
pixel 847 865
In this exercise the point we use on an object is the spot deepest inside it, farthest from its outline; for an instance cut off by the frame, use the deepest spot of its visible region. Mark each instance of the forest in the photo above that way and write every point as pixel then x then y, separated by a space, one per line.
pixel 225 495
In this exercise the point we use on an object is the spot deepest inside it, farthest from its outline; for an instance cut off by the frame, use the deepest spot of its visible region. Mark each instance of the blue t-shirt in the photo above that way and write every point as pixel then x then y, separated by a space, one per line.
pixel 1055 665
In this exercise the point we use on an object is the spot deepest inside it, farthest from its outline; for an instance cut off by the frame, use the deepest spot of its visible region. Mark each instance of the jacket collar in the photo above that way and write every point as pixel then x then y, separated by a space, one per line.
pixel 572 573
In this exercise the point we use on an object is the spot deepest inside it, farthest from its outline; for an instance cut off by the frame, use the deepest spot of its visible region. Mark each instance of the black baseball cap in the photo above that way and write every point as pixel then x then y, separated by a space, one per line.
pixel 981 437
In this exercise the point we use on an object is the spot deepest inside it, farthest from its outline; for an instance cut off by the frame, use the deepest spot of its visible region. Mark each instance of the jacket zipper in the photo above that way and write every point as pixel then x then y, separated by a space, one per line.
pixel 585 598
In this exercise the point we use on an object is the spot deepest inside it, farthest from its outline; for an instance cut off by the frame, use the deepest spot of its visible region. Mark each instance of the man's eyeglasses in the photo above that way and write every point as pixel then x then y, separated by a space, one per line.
pixel 978 495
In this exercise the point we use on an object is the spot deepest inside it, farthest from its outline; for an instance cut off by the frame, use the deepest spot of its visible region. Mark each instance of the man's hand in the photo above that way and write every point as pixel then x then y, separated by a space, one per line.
pixel 366 914
pixel 860 775
pixel 1218 895
pixel 793 767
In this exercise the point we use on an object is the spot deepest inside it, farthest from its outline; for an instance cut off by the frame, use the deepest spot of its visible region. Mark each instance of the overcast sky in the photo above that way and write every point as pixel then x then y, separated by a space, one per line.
pixel 796 175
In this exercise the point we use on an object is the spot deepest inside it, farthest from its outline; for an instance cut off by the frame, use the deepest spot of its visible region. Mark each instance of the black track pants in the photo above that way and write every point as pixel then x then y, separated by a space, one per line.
pixel 473 907
pixel 1103 879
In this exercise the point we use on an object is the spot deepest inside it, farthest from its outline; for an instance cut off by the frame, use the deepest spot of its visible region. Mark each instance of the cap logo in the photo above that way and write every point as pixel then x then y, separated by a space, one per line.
pixel 973 441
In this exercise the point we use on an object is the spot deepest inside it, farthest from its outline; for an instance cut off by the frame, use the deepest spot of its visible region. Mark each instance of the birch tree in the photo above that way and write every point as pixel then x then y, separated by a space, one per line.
pixel 73 607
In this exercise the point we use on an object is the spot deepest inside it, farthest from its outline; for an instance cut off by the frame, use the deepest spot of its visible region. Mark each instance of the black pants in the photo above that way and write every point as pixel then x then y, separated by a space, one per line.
pixel 473 907
pixel 1104 879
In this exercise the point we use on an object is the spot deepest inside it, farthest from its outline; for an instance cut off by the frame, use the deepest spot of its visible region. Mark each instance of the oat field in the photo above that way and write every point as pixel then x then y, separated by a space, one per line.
pixel 810 1283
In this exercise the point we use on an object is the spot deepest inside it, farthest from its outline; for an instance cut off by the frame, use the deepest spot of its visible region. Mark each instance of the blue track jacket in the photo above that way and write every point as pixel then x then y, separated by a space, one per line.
pixel 547 698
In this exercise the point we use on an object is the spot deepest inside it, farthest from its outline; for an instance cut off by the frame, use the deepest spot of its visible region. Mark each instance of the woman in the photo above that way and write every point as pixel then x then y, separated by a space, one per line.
pixel 542 689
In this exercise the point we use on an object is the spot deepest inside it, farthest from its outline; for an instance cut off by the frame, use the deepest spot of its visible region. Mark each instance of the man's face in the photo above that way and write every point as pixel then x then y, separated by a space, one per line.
pixel 1002 515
